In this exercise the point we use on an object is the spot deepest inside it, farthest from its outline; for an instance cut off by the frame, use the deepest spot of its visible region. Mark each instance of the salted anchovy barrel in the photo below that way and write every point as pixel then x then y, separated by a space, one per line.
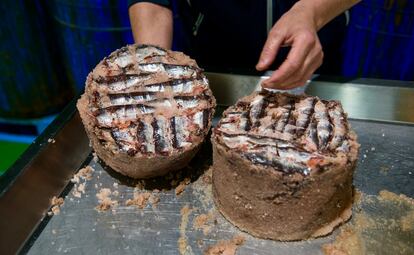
pixel 146 110
pixel 283 165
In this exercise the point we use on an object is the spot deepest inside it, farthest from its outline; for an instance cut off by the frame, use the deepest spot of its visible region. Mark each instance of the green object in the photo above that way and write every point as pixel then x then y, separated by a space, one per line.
pixel 10 152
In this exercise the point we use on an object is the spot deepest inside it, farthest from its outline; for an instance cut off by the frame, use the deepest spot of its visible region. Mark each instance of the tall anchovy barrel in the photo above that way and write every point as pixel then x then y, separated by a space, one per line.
pixel 88 31
pixel 380 40
pixel 32 84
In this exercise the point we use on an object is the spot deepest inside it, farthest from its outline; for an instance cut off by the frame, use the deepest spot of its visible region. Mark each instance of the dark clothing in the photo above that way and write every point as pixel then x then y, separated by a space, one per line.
pixel 228 36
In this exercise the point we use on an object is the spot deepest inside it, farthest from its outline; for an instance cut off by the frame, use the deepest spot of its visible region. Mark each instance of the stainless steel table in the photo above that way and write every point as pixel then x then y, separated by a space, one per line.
pixel 382 114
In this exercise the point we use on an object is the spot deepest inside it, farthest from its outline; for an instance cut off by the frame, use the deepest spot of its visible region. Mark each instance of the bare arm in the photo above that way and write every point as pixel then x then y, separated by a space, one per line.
pixel 151 24
pixel 298 28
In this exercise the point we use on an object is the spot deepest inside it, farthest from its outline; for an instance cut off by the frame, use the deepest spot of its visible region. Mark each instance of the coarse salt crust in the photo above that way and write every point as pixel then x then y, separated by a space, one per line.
pixel 283 165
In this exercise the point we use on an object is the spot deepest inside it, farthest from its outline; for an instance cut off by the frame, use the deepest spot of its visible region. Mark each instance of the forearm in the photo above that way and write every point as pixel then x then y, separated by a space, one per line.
pixel 151 24
pixel 323 11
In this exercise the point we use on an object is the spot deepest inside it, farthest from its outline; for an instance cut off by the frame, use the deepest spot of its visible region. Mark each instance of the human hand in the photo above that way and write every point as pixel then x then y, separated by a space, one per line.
pixel 296 28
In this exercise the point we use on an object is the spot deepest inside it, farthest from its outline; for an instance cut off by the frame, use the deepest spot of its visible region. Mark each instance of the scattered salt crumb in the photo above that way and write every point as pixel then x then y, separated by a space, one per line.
pixel 365 155
pixel 51 140
pixel 372 148
pixel 115 185
pixel 95 157
pixel 154 200
pixel 54 231
pixel 202 222
pixel 383 134
pixel 93 230
pixel 75 179
pixel 113 226
pixel 181 187
pixel 227 247
pixel 410 172
pixel 56 204
pixel 140 200
pixel 105 202
pixel 76 192
pixel 84 173
pixel 81 188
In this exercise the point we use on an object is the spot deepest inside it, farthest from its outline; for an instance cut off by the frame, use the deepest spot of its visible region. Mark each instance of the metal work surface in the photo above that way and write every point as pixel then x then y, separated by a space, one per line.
pixel 40 173
pixel 370 102
pixel 386 162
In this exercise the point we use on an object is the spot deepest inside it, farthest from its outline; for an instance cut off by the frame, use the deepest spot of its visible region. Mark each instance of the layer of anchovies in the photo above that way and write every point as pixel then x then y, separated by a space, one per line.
pixel 285 131
pixel 130 114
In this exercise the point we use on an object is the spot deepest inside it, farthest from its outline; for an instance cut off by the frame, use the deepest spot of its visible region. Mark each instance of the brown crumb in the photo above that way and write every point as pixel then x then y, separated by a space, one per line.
pixel 140 200
pixel 76 193
pixel 95 157
pixel 78 190
pixel 201 222
pixel 407 222
pixel 57 201
pixel 81 188
pixel 181 187
pixel 183 246
pixel 56 204
pixel 390 196
pixel 348 242
pixel 84 173
pixel 357 196
pixel 105 202
pixel 154 200
pixel 225 247
pixel 365 233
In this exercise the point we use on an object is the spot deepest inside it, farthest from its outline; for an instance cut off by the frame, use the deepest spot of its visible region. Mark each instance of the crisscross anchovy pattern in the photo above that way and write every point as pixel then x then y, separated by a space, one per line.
pixel 285 131
pixel 149 101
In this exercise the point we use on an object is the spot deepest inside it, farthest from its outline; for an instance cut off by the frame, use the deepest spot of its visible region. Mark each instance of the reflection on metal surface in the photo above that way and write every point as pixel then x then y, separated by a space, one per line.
pixel 361 101
pixel 228 88
pixel 369 101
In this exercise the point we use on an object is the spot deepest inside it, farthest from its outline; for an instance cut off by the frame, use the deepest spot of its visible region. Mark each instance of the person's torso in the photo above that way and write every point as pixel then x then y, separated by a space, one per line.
pixel 227 36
